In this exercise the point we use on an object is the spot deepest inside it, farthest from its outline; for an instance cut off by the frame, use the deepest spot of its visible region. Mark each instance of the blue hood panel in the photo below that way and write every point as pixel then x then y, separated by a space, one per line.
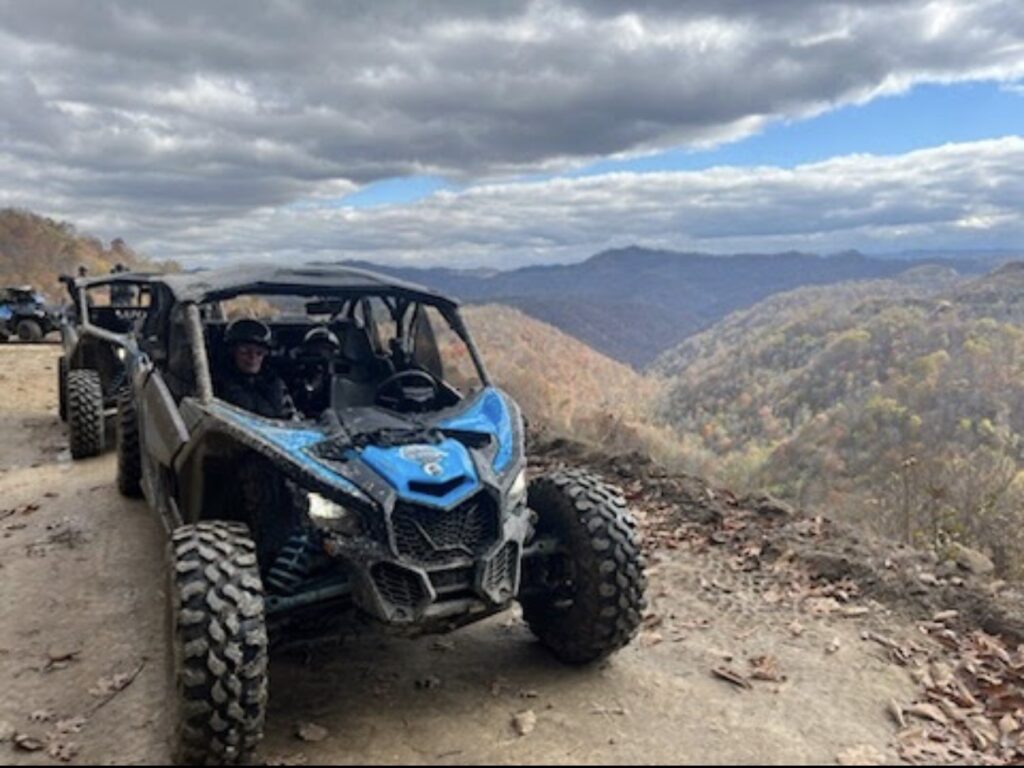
pixel 488 415
pixel 439 475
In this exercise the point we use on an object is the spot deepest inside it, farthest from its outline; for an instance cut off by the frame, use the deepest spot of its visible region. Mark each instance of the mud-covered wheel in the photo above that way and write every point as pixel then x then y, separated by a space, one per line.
pixel 592 599
pixel 85 413
pixel 129 457
pixel 30 330
pixel 220 644
pixel 62 388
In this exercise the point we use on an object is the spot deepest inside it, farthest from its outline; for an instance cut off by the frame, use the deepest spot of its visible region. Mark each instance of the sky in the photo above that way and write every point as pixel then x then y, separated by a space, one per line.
pixel 510 133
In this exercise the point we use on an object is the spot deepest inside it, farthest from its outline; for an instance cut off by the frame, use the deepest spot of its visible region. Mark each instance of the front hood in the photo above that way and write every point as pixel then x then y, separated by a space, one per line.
pixel 429 472
pixel 438 475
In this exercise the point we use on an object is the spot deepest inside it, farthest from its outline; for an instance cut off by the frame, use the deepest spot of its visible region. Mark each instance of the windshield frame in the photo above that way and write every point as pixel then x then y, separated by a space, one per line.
pixel 401 301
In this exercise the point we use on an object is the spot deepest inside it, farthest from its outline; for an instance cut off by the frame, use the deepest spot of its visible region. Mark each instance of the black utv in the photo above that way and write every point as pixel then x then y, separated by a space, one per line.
pixel 25 314
pixel 402 495
pixel 102 316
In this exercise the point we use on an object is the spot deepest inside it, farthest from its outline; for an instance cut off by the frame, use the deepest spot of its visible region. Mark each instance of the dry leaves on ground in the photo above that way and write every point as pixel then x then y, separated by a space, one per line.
pixel 524 722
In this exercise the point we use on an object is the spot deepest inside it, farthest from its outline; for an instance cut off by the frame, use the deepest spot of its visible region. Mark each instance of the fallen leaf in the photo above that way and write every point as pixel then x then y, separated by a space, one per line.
pixel 853 611
pixel 60 658
pixel 1008 724
pixel 311 732
pixel 27 742
pixel 732 676
pixel 928 712
pixel 524 722
pixel 821 606
pixel 896 711
pixel 63 751
pixel 71 725
pixel 942 674
pixel 766 668
pixel 650 639
pixel 108 686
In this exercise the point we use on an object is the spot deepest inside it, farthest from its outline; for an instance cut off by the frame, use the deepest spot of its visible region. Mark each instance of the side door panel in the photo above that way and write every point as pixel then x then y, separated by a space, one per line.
pixel 163 431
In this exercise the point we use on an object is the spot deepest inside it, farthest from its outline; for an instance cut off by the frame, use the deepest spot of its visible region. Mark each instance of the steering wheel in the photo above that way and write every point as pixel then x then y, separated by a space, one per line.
pixel 415 389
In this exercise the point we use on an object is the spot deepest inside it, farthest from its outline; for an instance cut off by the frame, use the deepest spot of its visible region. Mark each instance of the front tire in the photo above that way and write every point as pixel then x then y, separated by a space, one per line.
pixel 85 413
pixel 594 601
pixel 129 456
pixel 30 330
pixel 220 644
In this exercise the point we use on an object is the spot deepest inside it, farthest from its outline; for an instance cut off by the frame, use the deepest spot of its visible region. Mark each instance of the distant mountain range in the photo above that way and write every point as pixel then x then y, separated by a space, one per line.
pixel 633 304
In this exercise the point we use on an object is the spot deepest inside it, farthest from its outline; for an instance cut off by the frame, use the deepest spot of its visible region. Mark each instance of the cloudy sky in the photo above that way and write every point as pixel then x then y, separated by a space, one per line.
pixel 506 133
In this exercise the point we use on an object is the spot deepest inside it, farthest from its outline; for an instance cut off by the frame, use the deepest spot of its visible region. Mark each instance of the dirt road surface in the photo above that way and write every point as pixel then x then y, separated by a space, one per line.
pixel 83 656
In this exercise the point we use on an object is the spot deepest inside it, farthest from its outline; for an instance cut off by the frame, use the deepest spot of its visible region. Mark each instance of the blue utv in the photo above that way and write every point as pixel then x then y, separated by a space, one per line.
pixel 403 496
pixel 24 313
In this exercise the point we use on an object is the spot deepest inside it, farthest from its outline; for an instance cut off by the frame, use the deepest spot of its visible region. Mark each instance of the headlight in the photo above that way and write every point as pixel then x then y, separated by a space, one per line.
pixel 327 515
pixel 517 491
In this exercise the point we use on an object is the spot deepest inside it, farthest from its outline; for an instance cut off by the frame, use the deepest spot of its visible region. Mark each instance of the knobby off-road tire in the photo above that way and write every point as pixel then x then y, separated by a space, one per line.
pixel 85 413
pixel 599 608
pixel 220 644
pixel 62 388
pixel 129 457
pixel 30 330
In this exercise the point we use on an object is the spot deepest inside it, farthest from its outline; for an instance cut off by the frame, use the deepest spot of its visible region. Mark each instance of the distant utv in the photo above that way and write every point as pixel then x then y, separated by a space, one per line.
pixel 24 313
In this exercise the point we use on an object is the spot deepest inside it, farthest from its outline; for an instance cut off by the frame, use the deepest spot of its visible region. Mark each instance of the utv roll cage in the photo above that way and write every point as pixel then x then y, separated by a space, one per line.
pixel 186 299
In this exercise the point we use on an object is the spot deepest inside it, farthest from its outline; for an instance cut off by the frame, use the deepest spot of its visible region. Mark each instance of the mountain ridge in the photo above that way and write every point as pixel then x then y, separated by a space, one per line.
pixel 635 303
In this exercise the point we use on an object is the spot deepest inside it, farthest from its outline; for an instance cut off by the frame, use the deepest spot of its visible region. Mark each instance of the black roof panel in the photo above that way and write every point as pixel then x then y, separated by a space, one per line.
pixel 226 282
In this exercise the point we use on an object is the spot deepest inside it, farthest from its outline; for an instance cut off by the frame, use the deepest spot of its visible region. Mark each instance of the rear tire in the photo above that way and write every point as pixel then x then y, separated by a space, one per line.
pixel 598 603
pixel 129 456
pixel 62 388
pixel 30 330
pixel 220 644
pixel 85 413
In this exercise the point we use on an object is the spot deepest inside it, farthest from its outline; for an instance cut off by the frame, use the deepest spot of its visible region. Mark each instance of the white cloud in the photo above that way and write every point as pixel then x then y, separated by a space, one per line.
pixel 945 197
pixel 189 120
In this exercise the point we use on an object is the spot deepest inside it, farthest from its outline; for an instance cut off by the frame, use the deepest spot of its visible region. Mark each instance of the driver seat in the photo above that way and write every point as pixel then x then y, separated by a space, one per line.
pixel 363 369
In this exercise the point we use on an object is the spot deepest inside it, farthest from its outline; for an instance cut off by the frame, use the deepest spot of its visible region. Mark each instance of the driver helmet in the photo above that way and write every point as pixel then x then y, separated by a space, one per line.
pixel 246 330
pixel 321 340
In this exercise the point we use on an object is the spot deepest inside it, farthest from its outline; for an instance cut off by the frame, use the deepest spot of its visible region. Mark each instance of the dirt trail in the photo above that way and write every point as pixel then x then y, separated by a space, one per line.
pixel 81 579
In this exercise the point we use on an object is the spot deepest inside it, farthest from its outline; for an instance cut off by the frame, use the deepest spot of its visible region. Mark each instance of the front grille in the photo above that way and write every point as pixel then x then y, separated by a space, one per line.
pixel 398 586
pixel 432 536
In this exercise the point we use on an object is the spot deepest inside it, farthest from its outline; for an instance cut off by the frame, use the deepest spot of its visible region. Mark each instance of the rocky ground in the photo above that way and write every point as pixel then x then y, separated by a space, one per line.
pixel 771 638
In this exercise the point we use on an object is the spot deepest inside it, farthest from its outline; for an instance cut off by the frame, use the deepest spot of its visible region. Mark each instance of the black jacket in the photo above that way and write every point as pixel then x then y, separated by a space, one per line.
pixel 264 394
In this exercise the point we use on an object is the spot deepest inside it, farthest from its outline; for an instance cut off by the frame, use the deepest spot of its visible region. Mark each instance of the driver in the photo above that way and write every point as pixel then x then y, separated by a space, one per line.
pixel 320 348
pixel 248 382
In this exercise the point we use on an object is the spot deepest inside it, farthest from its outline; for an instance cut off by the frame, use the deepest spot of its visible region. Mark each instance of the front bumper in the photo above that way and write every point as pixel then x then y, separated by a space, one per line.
pixel 399 583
